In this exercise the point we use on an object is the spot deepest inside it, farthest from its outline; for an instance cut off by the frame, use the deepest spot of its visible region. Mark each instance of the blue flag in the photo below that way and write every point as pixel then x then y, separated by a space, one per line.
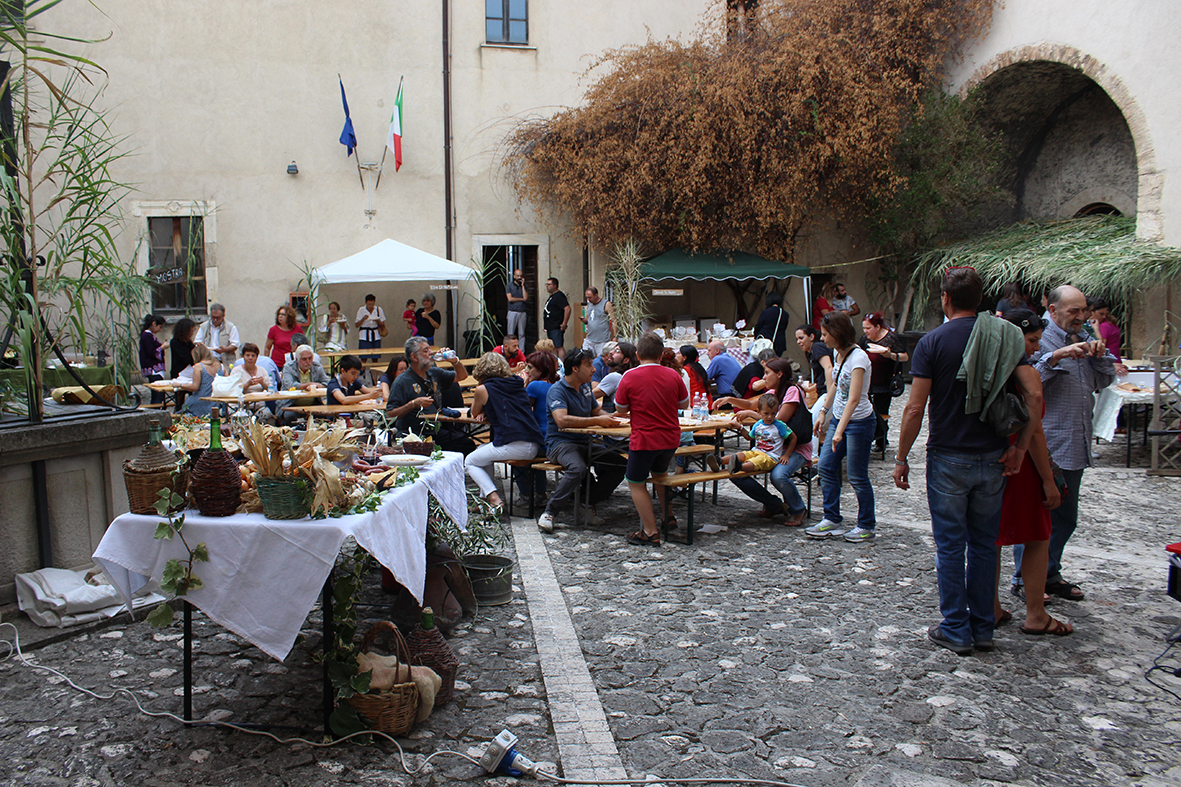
pixel 347 137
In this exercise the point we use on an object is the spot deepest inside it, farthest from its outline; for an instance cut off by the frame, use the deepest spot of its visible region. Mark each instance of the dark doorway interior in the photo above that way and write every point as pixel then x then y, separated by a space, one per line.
pixel 499 264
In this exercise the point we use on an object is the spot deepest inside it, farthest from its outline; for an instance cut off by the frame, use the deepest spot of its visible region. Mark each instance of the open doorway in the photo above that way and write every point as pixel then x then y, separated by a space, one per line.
pixel 500 261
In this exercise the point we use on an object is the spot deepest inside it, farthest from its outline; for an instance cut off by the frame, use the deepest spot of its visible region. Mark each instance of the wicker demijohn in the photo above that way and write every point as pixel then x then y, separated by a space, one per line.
pixel 154 469
pixel 429 648
pixel 390 710
pixel 216 484
pixel 283 497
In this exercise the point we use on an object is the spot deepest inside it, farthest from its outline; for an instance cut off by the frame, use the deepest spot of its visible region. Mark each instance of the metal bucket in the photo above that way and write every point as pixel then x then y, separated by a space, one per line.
pixel 492 578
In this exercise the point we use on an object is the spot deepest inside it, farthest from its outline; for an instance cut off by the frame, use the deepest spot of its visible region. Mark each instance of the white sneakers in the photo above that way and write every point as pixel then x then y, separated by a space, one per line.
pixel 545 522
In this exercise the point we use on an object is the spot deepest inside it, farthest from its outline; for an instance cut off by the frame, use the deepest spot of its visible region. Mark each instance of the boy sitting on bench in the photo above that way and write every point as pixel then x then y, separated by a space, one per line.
pixel 773 439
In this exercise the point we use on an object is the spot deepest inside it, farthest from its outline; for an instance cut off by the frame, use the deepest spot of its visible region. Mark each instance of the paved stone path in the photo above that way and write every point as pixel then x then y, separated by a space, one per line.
pixel 756 652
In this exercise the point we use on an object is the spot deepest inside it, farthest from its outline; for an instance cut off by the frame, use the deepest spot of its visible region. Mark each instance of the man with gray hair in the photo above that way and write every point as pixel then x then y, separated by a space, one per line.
pixel 219 335
pixel 419 391
pixel 1073 369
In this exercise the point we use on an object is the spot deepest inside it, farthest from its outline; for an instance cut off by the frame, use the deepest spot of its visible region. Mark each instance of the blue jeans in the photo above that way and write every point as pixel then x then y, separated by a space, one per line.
pixel 1063 521
pixel 780 479
pixel 856 446
pixel 964 492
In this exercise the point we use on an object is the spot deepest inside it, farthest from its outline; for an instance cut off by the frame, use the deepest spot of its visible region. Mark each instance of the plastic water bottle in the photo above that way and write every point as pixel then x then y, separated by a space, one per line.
pixel 697 407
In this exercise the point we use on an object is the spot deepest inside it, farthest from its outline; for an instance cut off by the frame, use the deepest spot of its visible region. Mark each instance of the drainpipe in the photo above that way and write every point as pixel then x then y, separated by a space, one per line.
pixel 449 226
pixel 447 127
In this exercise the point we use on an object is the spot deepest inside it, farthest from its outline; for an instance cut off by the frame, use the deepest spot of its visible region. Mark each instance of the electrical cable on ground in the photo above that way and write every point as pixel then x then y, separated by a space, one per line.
pixel 1157 666
pixel 14 652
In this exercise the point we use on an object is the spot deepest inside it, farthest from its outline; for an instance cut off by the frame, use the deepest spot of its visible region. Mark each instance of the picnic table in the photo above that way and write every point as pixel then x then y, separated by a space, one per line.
pixel 264 575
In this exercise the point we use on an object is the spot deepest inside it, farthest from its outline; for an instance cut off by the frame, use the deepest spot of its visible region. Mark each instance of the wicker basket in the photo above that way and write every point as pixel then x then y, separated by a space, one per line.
pixel 283 497
pixel 390 710
pixel 216 484
pixel 430 649
pixel 423 449
pixel 143 487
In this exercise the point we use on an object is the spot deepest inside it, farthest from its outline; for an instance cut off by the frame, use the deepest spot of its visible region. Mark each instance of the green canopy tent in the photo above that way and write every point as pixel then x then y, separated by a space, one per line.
pixel 681 265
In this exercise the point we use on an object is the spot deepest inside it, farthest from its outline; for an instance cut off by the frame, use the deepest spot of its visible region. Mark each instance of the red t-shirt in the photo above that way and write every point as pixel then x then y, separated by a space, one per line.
pixel 821 303
pixel 652 393
pixel 513 360
pixel 281 343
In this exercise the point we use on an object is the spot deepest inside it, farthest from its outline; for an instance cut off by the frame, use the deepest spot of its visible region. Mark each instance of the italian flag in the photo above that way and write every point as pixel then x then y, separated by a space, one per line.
pixel 394 140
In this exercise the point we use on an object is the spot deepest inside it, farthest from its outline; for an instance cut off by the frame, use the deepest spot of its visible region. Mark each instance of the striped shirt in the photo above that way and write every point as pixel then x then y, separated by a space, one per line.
pixel 1070 388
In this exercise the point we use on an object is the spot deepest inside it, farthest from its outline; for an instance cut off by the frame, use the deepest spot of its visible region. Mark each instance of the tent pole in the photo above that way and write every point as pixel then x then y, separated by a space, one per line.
pixel 808 298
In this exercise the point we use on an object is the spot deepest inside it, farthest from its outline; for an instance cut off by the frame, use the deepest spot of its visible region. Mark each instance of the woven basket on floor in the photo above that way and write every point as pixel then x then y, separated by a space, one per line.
pixel 390 710
pixel 430 649
pixel 283 497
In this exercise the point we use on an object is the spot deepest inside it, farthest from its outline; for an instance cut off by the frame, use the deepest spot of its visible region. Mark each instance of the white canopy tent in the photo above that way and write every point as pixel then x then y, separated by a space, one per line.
pixel 391 261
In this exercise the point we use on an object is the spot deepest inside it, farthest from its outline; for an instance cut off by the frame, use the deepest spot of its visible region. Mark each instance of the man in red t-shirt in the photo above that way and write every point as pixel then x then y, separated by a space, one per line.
pixel 651 395
pixel 511 350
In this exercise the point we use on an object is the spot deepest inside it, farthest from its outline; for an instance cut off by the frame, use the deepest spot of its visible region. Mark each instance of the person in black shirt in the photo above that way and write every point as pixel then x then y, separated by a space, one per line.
pixel 751 373
pixel 428 319
pixel 181 349
pixel 556 316
pixel 345 388
pixel 420 390
pixel 819 356
pixel 772 323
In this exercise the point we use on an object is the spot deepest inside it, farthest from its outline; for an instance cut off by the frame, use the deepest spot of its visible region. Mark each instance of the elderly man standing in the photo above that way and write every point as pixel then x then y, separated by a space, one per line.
pixel 966 460
pixel 723 369
pixel 1073 369
pixel 220 336
pixel 599 318
pixel 419 391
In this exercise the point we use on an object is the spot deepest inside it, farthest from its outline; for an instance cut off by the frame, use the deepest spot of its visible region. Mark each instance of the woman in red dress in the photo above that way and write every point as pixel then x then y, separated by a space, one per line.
pixel 1025 514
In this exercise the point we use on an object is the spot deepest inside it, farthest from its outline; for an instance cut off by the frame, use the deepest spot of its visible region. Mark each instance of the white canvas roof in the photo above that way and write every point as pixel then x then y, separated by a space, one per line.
pixel 391 261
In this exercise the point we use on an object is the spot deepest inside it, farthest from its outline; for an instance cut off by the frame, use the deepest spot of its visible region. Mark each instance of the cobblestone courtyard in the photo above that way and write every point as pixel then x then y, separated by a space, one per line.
pixel 755 653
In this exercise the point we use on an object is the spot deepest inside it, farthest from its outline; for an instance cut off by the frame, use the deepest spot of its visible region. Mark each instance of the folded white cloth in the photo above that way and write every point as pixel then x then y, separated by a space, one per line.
pixel 263 575
pixel 58 597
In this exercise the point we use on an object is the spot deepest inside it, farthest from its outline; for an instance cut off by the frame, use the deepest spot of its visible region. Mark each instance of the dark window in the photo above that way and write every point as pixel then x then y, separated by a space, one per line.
pixel 741 18
pixel 176 264
pixel 506 21
pixel 1099 209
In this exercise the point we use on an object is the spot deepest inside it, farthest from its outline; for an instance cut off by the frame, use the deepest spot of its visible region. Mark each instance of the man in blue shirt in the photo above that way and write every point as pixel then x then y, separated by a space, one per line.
pixel 570 404
pixel 723 369
pixel 966 467
pixel 602 362
pixel 1073 368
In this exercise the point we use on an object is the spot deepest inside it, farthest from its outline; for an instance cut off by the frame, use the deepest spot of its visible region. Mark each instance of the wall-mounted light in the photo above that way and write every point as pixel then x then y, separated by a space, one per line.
pixel 292 169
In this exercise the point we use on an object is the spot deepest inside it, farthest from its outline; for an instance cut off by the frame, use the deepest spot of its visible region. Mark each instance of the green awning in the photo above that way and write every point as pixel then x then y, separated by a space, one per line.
pixel 681 265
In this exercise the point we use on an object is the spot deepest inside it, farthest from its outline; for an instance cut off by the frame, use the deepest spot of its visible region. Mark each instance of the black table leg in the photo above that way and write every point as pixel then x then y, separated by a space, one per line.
pixel 329 635
pixel 187 612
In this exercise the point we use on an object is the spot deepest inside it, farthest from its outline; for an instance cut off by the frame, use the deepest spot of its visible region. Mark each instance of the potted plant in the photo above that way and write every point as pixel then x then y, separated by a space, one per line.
pixel 478 548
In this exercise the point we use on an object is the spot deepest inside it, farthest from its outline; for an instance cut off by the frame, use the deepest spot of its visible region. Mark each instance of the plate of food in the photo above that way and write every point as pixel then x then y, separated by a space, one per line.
pixel 404 460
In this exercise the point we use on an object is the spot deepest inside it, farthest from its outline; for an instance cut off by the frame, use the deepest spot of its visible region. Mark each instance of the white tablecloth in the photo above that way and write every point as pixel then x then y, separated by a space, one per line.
pixel 1108 404
pixel 263 575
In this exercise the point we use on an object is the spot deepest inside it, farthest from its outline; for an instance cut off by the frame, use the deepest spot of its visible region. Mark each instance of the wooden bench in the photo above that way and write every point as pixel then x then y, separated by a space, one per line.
pixel 686 482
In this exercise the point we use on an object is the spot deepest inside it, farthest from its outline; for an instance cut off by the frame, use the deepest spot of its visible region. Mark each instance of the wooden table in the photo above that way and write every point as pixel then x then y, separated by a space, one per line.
pixel 624 431
pixel 367 406
pixel 269 396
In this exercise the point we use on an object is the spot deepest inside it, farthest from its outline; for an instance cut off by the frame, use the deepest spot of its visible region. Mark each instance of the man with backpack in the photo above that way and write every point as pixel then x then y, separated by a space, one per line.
pixel 793 411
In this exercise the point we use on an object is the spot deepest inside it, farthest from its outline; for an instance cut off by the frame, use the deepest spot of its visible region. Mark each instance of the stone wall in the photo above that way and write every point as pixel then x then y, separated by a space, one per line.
pixel 84 461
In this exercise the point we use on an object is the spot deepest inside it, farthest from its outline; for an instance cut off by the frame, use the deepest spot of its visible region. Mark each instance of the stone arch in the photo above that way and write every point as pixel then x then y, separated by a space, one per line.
pixel 1150 181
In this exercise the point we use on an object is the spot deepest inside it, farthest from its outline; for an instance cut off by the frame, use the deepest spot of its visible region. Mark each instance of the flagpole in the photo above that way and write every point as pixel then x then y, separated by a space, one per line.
pixel 386 149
